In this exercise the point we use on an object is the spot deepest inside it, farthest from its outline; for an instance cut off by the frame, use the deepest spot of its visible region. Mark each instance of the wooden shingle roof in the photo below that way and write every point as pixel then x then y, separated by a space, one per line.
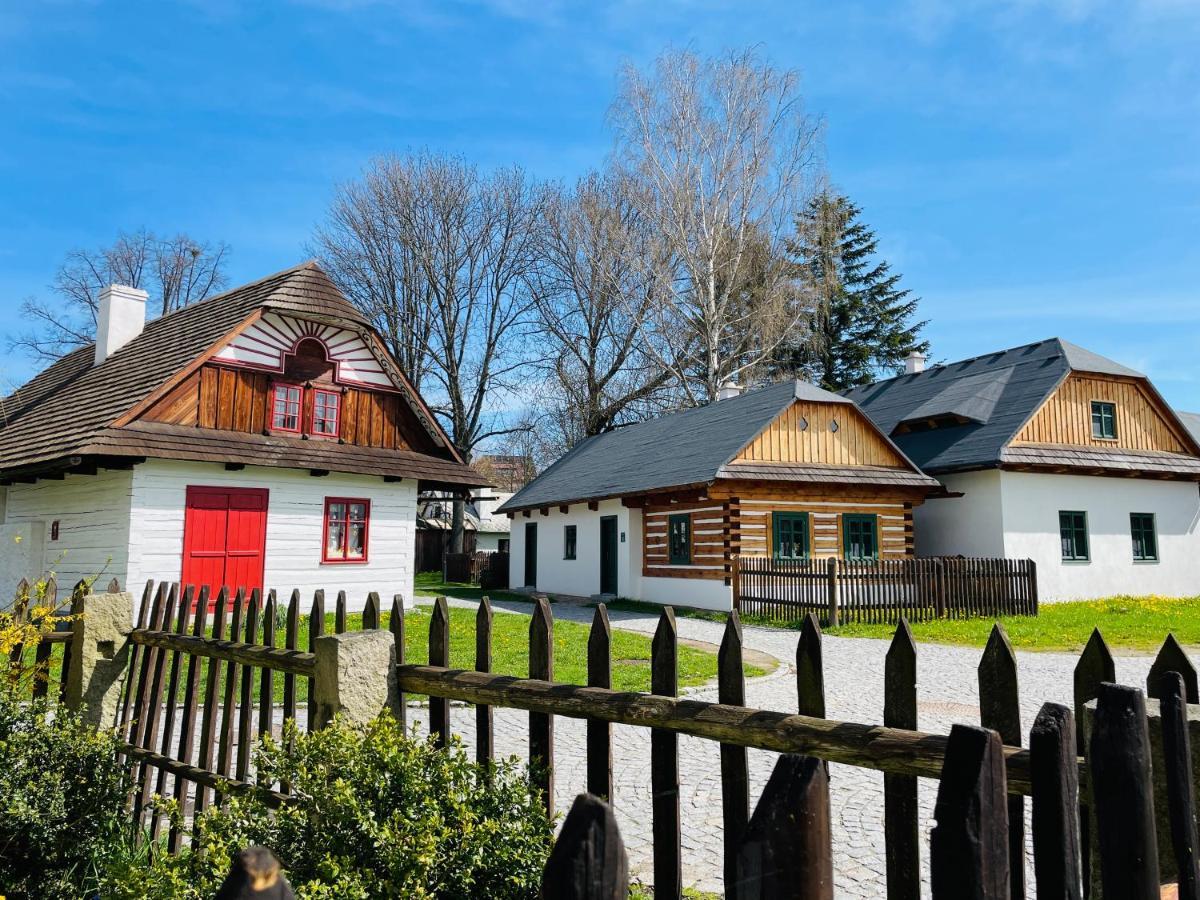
pixel 73 407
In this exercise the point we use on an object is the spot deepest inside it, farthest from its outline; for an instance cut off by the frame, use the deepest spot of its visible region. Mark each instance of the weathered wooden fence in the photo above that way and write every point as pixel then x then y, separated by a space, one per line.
pixel 1094 820
pixel 50 666
pixel 487 569
pixel 839 591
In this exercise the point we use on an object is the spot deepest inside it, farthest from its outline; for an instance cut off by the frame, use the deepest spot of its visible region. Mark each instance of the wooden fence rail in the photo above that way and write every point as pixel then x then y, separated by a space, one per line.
pixel 883 591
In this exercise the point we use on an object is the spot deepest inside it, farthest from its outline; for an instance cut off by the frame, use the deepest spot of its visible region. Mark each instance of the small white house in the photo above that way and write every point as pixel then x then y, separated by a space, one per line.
pixel 658 510
pixel 264 438
pixel 1059 455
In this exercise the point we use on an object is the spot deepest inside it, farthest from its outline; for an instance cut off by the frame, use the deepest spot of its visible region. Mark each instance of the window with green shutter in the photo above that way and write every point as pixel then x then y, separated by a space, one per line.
pixel 1104 420
pixel 1145 537
pixel 679 539
pixel 789 532
pixel 1072 529
pixel 860 537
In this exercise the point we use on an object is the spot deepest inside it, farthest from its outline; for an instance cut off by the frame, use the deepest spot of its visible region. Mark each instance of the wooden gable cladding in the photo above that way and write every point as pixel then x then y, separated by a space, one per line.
pixel 709 527
pixel 239 399
pixel 1066 417
pixel 821 433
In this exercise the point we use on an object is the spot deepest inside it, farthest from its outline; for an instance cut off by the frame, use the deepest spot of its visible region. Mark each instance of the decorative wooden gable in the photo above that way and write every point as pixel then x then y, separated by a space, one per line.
pixel 1138 419
pixel 268 342
pixel 834 434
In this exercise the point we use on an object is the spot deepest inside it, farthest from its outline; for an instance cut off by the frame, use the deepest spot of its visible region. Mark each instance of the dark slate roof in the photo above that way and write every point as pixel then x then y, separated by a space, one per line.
pixel 997 393
pixel 691 447
pixel 1191 421
pixel 67 409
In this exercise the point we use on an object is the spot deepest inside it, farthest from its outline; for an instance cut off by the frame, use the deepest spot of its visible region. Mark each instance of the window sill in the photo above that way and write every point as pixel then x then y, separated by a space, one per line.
pixel 1076 562
pixel 1146 562
pixel 344 562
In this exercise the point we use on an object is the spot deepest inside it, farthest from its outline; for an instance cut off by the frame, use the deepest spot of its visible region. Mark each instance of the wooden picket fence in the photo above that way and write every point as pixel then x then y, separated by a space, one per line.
pixel 978 848
pixel 883 591
pixel 51 664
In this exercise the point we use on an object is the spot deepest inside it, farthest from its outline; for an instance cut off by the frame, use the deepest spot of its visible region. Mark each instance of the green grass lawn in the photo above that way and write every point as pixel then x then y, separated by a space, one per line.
pixel 1127 623
pixel 430 584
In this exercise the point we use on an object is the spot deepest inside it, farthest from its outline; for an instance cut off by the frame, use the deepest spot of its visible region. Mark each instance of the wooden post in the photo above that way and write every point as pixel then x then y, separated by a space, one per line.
pixel 541 725
pixel 901 829
pixel 291 637
pixel 316 628
pixel 810 670
pixel 1122 795
pixel 1000 710
pixel 939 588
pixel 212 690
pixel 968 849
pixel 664 763
pixel 439 655
pixel 735 778
pixel 599 733
pixel 834 592
pixel 787 851
pixel 588 861
pixel 246 718
pixel 1181 794
pixel 153 706
pixel 396 627
pixel 483 663
pixel 171 707
pixel 266 678
pixel 187 728
pixel 370 614
pixel 339 614
pixel 1172 658
pixel 1095 667
pixel 1054 762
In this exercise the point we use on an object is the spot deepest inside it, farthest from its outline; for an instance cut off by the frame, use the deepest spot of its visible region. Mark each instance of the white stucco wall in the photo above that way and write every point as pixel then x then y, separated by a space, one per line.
pixel 93 529
pixel 295 509
pixel 581 576
pixel 971 525
pixel 1031 506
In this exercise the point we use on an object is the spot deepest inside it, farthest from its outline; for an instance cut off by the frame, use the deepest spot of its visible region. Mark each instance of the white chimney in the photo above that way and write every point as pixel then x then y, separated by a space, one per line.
pixel 914 363
pixel 728 390
pixel 121 318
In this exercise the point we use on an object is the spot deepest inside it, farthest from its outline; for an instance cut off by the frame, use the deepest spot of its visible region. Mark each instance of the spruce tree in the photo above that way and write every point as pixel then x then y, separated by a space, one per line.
pixel 862 327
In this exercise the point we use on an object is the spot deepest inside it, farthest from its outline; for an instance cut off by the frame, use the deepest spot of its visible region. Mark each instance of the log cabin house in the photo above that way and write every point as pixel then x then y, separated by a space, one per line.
pixel 1059 455
pixel 657 511
pixel 263 438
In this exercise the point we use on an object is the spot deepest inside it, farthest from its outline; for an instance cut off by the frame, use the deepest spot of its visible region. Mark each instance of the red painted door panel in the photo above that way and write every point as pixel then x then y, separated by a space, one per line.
pixel 224 538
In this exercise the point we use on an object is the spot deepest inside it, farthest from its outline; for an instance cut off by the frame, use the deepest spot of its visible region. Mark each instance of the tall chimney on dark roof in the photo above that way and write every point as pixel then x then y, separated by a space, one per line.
pixel 120 318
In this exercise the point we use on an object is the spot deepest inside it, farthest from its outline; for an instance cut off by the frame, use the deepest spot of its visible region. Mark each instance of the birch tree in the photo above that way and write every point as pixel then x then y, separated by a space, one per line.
pixel 726 154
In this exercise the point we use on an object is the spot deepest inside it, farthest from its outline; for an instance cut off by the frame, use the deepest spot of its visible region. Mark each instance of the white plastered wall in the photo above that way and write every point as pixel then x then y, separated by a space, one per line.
pixel 295 510
pixel 578 577
pixel 1032 502
pixel 92 512
pixel 970 525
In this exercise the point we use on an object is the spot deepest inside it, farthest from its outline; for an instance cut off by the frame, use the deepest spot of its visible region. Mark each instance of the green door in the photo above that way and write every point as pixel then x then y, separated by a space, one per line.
pixel 608 555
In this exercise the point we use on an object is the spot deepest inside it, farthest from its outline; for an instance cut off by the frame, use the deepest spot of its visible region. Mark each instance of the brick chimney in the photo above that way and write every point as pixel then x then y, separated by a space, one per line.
pixel 121 318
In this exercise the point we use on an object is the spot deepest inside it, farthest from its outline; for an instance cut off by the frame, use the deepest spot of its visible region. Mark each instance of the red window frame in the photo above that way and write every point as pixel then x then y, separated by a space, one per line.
pixel 287 386
pixel 336 397
pixel 345 521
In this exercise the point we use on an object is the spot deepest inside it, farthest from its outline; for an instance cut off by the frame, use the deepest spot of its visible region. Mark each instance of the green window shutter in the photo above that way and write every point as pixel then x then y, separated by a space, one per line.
pixel 1145 537
pixel 789 535
pixel 1072 529
pixel 860 536
pixel 679 538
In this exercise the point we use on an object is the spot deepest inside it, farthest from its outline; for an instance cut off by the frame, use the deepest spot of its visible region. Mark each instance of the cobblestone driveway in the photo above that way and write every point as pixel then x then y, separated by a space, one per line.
pixel 947 693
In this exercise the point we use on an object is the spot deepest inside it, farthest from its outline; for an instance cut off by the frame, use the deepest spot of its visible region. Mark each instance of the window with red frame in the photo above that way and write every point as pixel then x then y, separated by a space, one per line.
pixel 285 410
pixel 325 413
pixel 346 523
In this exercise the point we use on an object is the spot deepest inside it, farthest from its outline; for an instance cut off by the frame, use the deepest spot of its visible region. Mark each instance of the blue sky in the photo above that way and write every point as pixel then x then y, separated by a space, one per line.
pixel 1032 168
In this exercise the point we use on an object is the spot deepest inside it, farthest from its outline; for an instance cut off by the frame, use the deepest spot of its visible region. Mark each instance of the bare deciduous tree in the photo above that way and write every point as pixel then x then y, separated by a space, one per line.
pixel 727 155
pixel 602 269
pixel 364 248
pixel 175 271
pixel 468 242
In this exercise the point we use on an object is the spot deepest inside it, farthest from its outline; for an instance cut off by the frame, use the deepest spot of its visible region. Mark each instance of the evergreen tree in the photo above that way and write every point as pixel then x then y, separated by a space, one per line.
pixel 863 327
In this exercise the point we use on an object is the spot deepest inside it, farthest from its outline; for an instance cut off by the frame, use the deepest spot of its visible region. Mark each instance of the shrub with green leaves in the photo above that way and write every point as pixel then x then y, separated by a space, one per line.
pixel 381 814
pixel 62 800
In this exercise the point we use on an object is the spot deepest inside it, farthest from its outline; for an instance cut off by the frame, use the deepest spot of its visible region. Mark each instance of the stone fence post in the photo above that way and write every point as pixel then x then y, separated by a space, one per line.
pixel 100 651
pixel 355 676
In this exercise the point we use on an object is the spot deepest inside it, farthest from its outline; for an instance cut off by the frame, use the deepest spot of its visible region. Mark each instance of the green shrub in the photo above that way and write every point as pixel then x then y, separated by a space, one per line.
pixel 382 814
pixel 62 800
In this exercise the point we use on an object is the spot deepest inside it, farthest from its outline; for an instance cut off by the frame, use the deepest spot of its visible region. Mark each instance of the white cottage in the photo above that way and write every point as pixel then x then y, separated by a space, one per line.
pixel 1060 455
pixel 263 438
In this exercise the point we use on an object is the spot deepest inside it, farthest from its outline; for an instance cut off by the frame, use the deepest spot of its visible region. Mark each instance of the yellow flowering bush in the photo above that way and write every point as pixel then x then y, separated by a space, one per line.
pixel 36 611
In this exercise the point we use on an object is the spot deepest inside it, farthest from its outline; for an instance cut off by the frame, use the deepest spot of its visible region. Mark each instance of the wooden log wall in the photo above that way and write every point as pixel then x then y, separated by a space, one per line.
pixel 894 524
pixel 1066 417
pixel 708 527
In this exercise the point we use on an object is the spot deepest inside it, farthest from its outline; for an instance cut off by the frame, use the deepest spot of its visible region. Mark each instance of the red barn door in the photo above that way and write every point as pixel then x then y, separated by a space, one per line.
pixel 224 538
